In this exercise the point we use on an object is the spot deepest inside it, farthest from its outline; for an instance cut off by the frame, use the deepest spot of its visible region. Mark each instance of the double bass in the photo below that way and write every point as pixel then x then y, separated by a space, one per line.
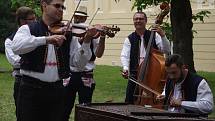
pixel 151 71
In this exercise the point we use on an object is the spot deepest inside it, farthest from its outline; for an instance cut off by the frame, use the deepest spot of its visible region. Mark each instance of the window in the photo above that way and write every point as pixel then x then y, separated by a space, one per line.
pixel 206 4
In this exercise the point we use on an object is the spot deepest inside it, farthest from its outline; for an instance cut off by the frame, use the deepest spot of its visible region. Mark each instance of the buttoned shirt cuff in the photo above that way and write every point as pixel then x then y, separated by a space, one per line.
pixel 125 68
pixel 188 104
pixel 40 41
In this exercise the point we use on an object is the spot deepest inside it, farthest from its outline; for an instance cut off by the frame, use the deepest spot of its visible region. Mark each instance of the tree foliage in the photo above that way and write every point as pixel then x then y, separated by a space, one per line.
pixel 180 28
pixel 7 21
pixel 143 4
pixel 34 4
pixel 201 15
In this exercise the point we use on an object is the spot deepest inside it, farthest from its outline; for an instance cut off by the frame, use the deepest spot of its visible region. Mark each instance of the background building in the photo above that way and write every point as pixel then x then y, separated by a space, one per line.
pixel 120 14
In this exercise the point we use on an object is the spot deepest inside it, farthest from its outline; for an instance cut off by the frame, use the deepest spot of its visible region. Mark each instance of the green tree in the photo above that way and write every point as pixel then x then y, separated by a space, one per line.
pixel 7 22
pixel 34 4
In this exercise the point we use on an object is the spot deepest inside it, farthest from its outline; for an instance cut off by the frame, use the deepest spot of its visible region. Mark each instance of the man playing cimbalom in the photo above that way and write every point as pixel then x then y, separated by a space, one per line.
pixel 44 64
pixel 24 15
pixel 185 92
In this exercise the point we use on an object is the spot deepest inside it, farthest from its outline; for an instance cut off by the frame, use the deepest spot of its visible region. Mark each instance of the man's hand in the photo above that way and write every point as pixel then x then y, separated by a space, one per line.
pixel 89 34
pixel 158 29
pixel 125 74
pixel 55 39
pixel 160 98
pixel 104 28
pixel 175 102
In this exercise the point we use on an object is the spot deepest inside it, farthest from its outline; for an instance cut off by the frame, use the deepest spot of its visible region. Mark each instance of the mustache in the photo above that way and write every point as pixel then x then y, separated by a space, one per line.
pixel 172 78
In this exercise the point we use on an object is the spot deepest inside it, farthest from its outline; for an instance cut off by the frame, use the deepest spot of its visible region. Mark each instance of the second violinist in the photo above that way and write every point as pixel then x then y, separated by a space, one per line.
pixel 81 79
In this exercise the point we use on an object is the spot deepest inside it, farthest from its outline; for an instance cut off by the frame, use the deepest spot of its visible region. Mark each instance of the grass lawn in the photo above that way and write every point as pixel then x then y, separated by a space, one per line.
pixel 109 86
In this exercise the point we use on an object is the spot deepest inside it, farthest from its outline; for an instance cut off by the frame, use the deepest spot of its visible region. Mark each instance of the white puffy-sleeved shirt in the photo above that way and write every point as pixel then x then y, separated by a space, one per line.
pixel 204 100
pixel 12 58
pixel 87 65
pixel 24 42
pixel 162 43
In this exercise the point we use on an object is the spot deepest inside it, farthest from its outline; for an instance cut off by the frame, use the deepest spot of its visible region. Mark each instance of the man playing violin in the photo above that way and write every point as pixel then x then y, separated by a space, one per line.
pixel 134 50
pixel 185 92
pixel 81 79
pixel 44 64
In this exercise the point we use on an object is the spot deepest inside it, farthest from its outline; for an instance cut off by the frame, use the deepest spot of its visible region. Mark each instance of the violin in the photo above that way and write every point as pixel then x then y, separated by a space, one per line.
pixel 80 29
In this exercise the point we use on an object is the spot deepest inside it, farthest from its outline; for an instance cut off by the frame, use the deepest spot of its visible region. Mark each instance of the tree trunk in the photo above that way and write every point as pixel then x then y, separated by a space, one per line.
pixel 181 20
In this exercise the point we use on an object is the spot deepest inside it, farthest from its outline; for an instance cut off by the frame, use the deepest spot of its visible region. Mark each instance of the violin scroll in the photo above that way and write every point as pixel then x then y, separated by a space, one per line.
pixel 111 31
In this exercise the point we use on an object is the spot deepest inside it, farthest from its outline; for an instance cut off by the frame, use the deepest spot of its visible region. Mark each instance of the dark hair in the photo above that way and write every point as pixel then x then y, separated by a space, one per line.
pixel 174 59
pixel 140 12
pixel 48 1
pixel 23 12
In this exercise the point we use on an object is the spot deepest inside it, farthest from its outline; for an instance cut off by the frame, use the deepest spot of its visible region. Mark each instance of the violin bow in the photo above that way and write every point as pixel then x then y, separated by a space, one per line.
pixel 94 16
pixel 68 24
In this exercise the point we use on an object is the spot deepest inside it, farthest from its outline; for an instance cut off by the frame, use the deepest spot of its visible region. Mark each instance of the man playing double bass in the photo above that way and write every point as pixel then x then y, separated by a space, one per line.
pixel 134 50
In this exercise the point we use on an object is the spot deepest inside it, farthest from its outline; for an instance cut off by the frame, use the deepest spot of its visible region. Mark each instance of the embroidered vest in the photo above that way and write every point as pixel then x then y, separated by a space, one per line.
pixel 93 57
pixel 189 88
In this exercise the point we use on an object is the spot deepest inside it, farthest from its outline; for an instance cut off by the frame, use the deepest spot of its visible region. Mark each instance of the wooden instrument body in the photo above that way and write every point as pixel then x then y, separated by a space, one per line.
pixel 154 79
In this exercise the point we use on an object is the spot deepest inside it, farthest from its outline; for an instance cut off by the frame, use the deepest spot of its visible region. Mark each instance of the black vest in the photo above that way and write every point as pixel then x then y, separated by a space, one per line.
pixel 93 57
pixel 135 41
pixel 189 88
pixel 36 59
